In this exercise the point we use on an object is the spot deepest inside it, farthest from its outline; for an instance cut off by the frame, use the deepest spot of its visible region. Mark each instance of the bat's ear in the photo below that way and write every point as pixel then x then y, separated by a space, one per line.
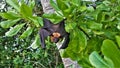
pixel 46 22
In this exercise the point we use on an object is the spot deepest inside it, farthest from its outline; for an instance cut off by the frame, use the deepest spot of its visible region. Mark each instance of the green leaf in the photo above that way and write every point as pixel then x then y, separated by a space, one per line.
pixel 8 23
pixel 103 7
pixel 53 17
pixel 77 44
pixel 36 42
pixel 54 5
pixel 94 44
pixel 9 15
pixel 83 8
pixel 61 4
pixel 13 3
pixel 82 41
pixel 68 13
pixel 94 25
pixel 110 34
pixel 78 40
pixel 76 2
pixel 110 50
pixel 98 62
pixel 90 9
pixel 26 11
pixel 15 30
pixel 32 4
pixel 70 26
pixel 118 40
pixel 27 33
pixel 40 20
pixel 99 17
pixel 85 63
pixel 35 21
pixel 109 61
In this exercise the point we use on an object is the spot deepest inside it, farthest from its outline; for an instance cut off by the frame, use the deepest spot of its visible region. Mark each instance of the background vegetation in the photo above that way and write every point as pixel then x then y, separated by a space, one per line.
pixel 93 26
pixel 19 48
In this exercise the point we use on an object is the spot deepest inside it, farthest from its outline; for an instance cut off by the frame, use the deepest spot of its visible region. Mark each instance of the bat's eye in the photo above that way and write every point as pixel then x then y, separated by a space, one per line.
pixel 56 34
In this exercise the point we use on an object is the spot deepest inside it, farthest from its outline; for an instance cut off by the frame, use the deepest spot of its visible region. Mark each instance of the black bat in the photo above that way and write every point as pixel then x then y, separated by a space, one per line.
pixel 55 31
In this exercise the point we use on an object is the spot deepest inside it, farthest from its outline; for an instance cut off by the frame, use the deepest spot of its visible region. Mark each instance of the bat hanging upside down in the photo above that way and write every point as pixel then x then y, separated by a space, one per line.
pixel 55 31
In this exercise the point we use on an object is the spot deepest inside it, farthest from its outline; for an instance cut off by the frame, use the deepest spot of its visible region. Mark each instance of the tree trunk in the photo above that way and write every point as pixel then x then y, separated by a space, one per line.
pixel 46 6
pixel 68 63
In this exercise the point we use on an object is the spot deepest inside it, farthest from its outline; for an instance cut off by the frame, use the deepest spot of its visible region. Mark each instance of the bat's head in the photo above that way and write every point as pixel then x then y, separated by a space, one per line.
pixel 55 37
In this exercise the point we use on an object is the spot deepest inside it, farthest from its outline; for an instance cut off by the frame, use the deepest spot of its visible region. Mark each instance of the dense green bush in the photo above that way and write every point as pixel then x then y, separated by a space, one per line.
pixel 94 29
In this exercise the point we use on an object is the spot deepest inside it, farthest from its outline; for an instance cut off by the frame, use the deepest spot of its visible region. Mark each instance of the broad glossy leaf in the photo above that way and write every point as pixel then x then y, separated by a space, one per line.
pixel 110 34
pixel 54 5
pixel 84 62
pixel 8 23
pixel 78 41
pixel 69 12
pixel 98 32
pixel 13 31
pixel 103 7
pixel 53 17
pixel 82 40
pixel 40 21
pixel 110 50
pixel 14 4
pixel 95 15
pixel 90 9
pixel 70 26
pixel 94 44
pixel 107 17
pixel 118 40
pixel 94 25
pixel 106 3
pixel 83 8
pixel 27 32
pixel 26 11
pixel 99 17
pixel 76 2
pixel 36 42
pixel 98 62
pixel 109 61
pixel 61 4
pixel 76 45
pixel 9 15
pixel 35 21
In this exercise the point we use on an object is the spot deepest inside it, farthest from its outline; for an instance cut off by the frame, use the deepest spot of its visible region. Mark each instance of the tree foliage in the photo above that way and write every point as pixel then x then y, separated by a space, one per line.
pixel 94 31
pixel 93 26
pixel 19 39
